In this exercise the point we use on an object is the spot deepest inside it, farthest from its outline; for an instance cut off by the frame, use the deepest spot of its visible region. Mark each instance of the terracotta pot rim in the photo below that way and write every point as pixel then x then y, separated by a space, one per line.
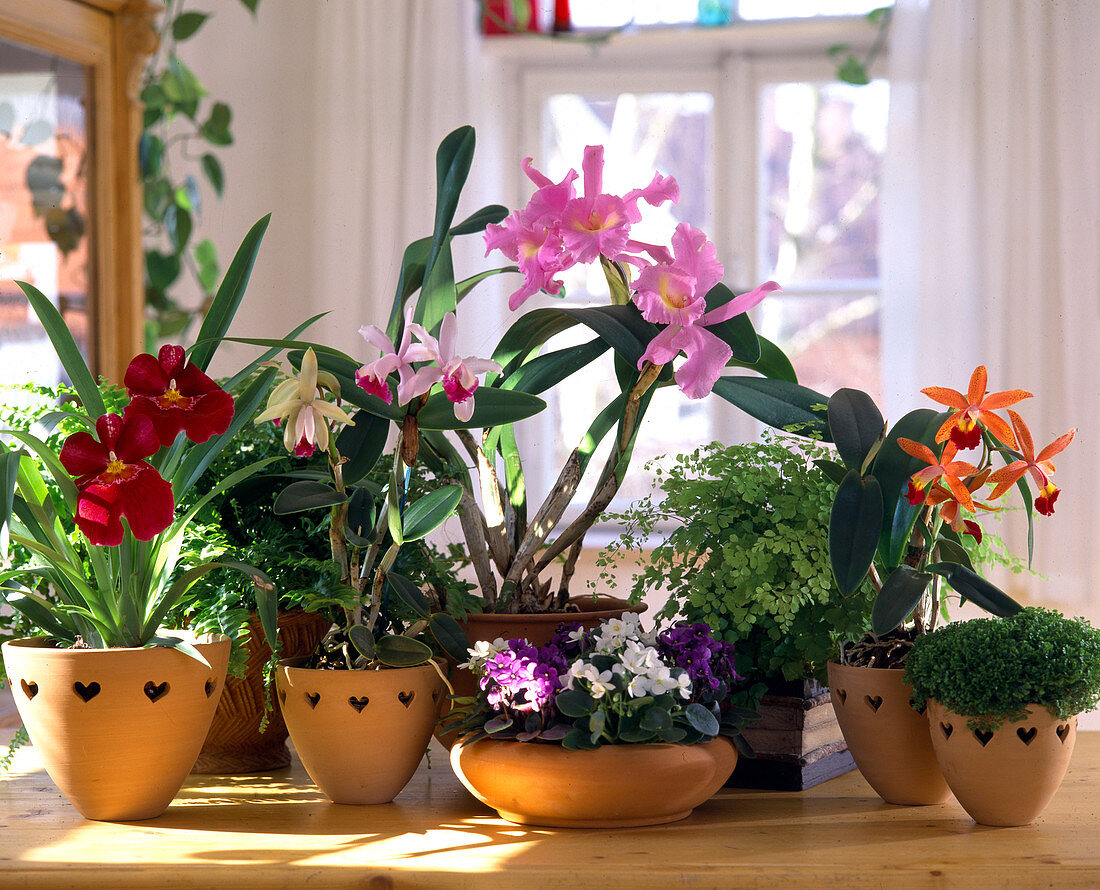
pixel 290 663
pixel 555 617
pixel 542 746
pixel 40 642
pixel 859 667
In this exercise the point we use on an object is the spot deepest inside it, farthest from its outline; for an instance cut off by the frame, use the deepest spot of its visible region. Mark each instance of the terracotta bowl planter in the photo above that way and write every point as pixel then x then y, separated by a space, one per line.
pixel 235 744
pixel 1006 777
pixel 116 729
pixel 614 786
pixel 360 734
pixel 888 740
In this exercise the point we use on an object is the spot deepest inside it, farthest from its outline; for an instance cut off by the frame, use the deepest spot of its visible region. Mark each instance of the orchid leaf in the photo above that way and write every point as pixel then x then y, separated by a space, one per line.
pixel 37 611
pixel 363 640
pixel 362 444
pixel 620 326
pixel 478 220
pixel 778 403
pixel 900 595
pixel 491 408
pixel 545 371
pixel 9 476
pixel 854 526
pixel 466 285
pixel 834 471
pixel 413 266
pixel 972 586
pixel 68 353
pixel 951 548
pixel 450 636
pixel 305 495
pixel 156 610
pixel 234 381
pixel 855 424
pixel 429 512
pixel 439 295
pixel 527 335
pixel 408 591
pixel 219 316
pixel 773 362
pixel 180 646
pixel 48 457
pixel 398 651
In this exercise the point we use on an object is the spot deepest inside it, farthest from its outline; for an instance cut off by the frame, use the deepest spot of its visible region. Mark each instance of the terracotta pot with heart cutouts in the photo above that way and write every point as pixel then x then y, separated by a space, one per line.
pixel 359 734
pixel 888 740
pixel 117 730
pixel 1006 776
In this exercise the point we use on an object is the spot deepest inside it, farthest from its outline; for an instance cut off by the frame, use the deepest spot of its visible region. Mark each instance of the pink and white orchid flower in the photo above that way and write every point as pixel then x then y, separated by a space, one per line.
pixel 706 353
pixel 458 375
pixel 675 292
pixel 372 376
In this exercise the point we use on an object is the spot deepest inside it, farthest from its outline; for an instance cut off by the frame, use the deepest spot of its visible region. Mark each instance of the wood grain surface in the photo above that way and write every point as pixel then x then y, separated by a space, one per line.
pixel 278 831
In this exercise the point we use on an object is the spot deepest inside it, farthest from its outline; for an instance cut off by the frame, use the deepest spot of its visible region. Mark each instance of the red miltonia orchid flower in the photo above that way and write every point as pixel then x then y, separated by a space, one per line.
pixel 113 480
pixel 944 468
pixel 1039 465
pixel 974 408
pixel 175 395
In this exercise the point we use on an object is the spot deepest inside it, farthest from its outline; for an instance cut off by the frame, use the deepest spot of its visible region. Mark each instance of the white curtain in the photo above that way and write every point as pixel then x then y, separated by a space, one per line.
pixel 992 236
pixel 392 80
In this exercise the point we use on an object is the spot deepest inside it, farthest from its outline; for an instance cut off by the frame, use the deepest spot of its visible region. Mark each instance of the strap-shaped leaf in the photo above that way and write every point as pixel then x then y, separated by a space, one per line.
pixel 466 285
pixel 158 608
pixel 738 332
pixel 307 495
pixel 9 476
pixel 413 266
pixel 429 512
pixel 67 351
pixel 977 589
pixel 527 335
pixel 38 612
pixel 834 471
pixel 233 382
pixel 439 294
pixel 901 593
pixel 951 548
pixel 397 651
pixel 362 444
pixel 778 403
pixel 773 362
pixel 228 298
pixel 855 424
pixel 479 219
pixel 48 457
pixel 492 407
pixel 545 371
pixel 170 642
pixel 452 165
pixel 854 529
pixel 621 326
pixel 450 635
pixel 408 591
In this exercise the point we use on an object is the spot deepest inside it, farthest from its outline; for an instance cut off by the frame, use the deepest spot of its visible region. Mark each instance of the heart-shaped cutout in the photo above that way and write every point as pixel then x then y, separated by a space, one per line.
pixel 1026 735
pixel 86 693
pixel 874 702
pixel 1063 732
pixel 30 690
pixel 946 729
pixel 842 694
pixel 359 703
pixel 156 691
pixel 435 695
pixel 406 698
pixel 982 737
pixel 313 698
pixel 210 687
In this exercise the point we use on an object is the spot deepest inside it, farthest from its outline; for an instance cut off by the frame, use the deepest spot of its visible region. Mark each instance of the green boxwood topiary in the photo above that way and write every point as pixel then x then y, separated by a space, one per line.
pixel 990 669
pixel 748 554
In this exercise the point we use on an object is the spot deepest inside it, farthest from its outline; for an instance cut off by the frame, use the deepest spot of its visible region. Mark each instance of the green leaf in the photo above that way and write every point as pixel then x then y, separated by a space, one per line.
pixel 408 591
pixel 977 589
pixel 952 550
pixel 738 331
pixel 38 612
pixel 212 169
pixel 854 526
pixel 9 476
pixel 216 128
pixel 853 71
pixel 855 424
pixel 773 362
pixel 546 371
pixel 439 295
pixel 452 165
pixel 178 222
pixel 575 703
pixel 187 24
pixel 53 464
pixel 67 352
pixel 429 512
pixel 150 155
pixel 397 651
pixel 250 5
pixel 180 646
pixel 362 444
pixel 621 326
pixel 206 260
pixel 834 471
pixel 656 719
pixel 778 403
pixel 229 296
pixel 901 593
pixel 527 335
pixel 361 517
pixel 597 722
pixel 363 640
pixel 477 221
pixel 162 269
pixel 300 496
pixel 492 407
pixel 450 635
pixel 701 719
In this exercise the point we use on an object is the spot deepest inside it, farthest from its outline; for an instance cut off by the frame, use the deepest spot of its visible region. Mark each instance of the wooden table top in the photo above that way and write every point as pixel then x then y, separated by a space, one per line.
pixel 273 831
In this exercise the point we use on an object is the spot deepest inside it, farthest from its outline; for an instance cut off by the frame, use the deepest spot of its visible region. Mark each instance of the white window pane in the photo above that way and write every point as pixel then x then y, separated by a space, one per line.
pixel 792 9
pixel 613 13
pixel 821 151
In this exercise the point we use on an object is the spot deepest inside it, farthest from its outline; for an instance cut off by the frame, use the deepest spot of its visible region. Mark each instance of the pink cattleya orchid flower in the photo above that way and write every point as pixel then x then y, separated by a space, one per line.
pixel 372 377
pixel 706 353
pixel 674 292
pixel 458 375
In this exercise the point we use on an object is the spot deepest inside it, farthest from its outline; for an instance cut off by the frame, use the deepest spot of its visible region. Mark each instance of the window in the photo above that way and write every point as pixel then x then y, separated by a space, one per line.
pixel 777 161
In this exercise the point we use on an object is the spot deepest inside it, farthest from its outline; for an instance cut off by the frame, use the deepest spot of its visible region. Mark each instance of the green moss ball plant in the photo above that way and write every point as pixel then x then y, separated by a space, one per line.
pixel 745 550
pixel 990 670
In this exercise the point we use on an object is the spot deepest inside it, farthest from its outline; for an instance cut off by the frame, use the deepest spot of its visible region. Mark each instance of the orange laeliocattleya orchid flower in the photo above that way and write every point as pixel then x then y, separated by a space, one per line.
pixel 945 468
pixel 950 511
pixel 974 408
pixel 1038 465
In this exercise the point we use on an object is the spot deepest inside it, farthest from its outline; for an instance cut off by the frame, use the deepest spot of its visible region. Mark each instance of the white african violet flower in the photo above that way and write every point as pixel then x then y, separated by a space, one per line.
pixel 482 651
pixel 639 659
pixel 599 682
pixel 639 686
pixel 662 680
